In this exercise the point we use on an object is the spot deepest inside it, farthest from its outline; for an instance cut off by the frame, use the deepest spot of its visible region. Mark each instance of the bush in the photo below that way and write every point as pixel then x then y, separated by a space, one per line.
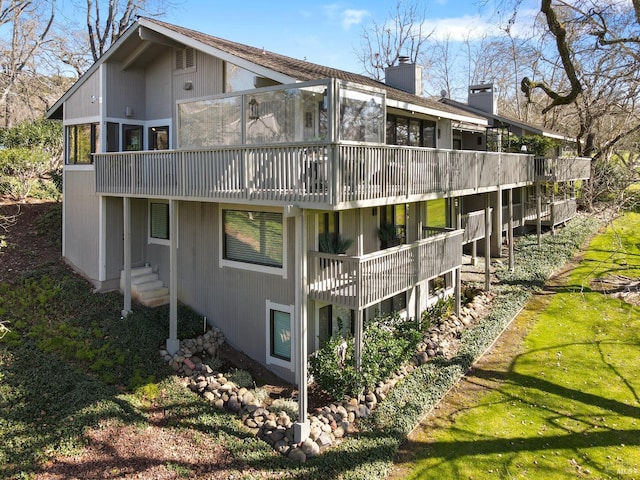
pixel 388 343
pixel 22 168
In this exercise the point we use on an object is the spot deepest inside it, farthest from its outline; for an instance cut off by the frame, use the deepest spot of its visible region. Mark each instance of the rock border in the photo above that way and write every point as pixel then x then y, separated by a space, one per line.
pixel 329 424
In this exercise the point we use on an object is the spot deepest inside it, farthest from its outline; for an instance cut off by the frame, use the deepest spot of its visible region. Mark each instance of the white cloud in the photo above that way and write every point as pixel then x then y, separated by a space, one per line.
pixel 475 27
pixel 353 17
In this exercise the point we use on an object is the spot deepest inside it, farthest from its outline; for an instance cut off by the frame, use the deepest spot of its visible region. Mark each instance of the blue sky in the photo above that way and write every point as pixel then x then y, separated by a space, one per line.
pixel 327 33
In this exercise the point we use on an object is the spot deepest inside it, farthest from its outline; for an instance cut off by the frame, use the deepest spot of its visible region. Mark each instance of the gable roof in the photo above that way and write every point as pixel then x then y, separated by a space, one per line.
pixel 280 67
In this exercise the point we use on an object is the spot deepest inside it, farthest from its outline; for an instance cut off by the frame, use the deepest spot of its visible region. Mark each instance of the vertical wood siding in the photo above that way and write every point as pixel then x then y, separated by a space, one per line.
pixel 80 104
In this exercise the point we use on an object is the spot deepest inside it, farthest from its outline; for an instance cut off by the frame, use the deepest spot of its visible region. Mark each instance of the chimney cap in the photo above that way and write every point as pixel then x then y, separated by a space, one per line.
pixel 403 59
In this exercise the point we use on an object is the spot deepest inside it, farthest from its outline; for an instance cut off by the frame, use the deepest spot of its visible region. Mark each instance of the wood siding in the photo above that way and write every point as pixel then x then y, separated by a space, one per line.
pixel 125 88
pixel 82 222
pixel 86 101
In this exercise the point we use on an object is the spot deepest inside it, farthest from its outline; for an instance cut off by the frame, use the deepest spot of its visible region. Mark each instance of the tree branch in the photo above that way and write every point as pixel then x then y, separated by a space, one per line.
pixel 560 34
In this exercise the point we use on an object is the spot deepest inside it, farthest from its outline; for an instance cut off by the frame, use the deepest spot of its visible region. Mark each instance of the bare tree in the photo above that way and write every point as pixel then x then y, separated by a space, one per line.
pixel 598 47
pixel 107 20
pixel 403 35
pixel 27 24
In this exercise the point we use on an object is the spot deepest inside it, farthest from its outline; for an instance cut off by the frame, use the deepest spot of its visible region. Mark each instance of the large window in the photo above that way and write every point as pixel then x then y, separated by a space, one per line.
pixel 410 131
pixel 82 141
pixel 253 237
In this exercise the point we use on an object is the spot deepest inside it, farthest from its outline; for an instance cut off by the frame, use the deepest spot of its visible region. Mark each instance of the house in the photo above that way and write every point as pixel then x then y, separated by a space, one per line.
pixel 555 189
pixel 280 199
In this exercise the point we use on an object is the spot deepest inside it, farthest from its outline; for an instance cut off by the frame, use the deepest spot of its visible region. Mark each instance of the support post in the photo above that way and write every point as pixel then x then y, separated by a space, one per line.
pixel 358 337
pixel 510 232
pixel 126 206
pixel 458 289
pixel 173 344
pixel 302 427
pixel 539 212
pixel 487 242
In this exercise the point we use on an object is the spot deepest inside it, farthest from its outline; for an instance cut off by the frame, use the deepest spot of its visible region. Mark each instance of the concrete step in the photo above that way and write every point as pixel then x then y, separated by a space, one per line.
pixel 138 271
pixel 146 278
pixel 143 287
pixel 146 288
pixel 156 301
pixel 157 292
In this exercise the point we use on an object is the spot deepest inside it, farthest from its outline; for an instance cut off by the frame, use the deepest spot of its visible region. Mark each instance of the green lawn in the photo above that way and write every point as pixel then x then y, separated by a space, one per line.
pixel 568 406
pixel 70 364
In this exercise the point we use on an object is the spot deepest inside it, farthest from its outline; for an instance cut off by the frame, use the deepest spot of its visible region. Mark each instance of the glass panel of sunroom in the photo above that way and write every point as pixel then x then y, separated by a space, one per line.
pixel 362 116
pixel 208 123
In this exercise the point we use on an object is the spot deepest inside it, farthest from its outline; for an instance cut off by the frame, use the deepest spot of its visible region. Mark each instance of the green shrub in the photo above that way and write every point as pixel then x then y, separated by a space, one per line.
pixel 388 343
pixel 241 378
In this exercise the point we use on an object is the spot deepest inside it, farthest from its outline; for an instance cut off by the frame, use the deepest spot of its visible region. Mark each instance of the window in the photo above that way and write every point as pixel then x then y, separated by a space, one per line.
pixel 159 138
pixel 280 331
pixel 361 116
pixel 392 225
pixel 328 231
pixel 397 303
pixel 82 141
pixel 158 222
pixel 280 335
pixel 335 320
pixel 253 237
pixel 131 137
pixel 410 131
pixel 113 137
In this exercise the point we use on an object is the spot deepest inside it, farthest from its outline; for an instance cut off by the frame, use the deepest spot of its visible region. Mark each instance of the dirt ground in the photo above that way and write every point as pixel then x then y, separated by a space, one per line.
pixel 116 451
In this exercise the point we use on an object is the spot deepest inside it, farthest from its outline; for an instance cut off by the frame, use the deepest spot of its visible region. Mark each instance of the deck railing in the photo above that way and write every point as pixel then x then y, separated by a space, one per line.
pixel 359 282
pixel 317 174
pixel 563 210
pixel 474 226
pixel 563 169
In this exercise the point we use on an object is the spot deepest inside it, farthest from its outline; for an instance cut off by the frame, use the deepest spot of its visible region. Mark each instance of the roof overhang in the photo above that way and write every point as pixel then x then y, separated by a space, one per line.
pixel 481 122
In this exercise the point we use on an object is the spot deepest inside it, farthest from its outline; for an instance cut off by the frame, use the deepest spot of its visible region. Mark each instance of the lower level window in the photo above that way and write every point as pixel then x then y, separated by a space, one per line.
pixel 158 222
pixel 253 237
pixel 280 334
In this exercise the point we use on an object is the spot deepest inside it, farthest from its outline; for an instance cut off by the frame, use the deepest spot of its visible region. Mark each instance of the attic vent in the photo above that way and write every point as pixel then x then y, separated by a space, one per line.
pixel 185 58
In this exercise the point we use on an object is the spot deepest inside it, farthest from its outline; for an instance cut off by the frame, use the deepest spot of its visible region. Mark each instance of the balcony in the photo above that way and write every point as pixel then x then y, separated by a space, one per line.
pixel 312 175
pixel 361 281
pixel 552 213
pixel 563 169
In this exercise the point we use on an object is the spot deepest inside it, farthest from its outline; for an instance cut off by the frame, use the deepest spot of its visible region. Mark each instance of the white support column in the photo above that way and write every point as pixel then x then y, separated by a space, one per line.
pixel 539 212
pixel 487 242
pixel 358 338
pixel 126 210
pixel 510 232
pixel 496 238
pixel 302 427
pixel 173 344
pixel 458 290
